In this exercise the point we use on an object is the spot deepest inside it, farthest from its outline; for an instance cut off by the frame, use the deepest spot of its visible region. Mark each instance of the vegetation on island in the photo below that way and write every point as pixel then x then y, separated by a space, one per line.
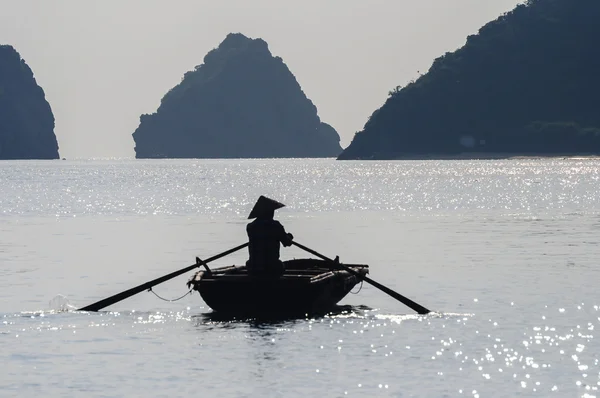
pixel 526 84
pixel 240 103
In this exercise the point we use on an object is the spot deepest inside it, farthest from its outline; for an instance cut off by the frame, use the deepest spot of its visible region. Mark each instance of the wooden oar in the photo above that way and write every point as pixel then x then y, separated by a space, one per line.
pixel 97 306
pixel 406 301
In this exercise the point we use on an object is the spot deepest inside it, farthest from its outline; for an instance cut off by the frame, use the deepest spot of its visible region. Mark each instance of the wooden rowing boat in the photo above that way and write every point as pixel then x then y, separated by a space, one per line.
pixel 308 286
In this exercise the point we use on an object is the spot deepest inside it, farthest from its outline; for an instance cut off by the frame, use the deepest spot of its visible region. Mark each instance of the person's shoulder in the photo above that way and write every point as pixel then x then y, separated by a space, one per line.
pixel 278 226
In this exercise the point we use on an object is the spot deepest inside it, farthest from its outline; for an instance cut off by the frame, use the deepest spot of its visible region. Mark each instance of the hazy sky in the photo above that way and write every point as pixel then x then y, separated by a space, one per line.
pixel 104 63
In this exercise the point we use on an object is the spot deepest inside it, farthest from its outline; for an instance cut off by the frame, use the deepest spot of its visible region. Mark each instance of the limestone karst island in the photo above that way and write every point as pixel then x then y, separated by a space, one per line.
pixel 527 84
pixel 242 102
pixel 26 120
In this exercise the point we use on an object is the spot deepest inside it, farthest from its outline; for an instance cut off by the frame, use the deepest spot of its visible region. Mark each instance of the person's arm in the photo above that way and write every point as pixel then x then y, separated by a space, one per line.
pixel 284 237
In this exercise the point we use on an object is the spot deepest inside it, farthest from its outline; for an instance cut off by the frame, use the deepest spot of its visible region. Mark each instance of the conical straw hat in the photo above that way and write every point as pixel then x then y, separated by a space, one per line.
pixel 263 205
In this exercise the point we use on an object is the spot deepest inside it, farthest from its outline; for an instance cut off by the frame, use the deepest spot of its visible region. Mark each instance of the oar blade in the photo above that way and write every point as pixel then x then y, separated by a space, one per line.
pixel 419 309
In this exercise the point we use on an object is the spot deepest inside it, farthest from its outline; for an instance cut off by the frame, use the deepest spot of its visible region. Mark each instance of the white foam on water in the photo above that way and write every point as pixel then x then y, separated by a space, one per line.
pixel 60 303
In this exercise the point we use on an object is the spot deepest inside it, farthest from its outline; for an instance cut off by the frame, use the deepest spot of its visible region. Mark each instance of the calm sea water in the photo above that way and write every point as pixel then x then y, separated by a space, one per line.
pixel 505 253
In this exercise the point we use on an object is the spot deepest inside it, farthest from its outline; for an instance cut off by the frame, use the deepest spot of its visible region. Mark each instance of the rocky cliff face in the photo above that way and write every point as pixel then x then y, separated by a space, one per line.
pixel 26 120
pixel 528 84
pixel 241 102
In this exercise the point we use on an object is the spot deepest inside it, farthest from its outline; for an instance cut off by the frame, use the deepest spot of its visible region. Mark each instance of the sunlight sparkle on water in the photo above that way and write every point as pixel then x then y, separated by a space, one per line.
pixel 502 250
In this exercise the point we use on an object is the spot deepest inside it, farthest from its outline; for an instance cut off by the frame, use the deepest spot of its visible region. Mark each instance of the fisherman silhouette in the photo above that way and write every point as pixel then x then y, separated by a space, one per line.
pixel 264 235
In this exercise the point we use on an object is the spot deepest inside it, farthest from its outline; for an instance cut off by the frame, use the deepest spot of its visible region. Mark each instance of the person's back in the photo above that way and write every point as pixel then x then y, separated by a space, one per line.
pixel 265 235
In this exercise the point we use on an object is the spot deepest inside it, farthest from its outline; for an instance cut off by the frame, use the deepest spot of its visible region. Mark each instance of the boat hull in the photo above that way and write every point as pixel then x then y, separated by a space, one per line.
pixel 307 287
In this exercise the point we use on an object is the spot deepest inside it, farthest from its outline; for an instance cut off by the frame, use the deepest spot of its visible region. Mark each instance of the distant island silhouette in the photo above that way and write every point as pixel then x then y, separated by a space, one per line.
pixel 242 102
pixel 26 119
pixel 527 84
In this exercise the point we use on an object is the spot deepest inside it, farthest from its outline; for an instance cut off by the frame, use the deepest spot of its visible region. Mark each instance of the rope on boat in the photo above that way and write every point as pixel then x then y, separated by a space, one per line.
pixel 164 299
pixel 360 287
